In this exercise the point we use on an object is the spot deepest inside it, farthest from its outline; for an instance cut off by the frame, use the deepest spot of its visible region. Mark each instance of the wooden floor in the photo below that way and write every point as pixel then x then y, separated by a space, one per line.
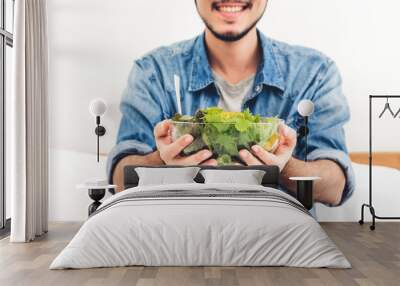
pixel 375 257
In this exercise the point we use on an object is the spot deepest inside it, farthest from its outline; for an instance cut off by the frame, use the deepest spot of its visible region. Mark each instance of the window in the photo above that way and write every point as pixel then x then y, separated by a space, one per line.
pixel 6 44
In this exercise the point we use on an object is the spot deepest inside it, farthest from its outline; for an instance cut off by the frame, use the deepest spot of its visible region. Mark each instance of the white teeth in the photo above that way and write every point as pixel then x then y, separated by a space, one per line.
pixel 231 9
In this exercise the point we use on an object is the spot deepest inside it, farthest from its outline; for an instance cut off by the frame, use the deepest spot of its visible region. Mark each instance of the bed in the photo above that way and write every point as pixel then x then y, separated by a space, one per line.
pixel 198 224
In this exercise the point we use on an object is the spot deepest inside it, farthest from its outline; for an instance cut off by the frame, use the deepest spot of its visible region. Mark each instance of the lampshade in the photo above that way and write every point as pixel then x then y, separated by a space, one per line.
pixel 305 107
pixel 97 107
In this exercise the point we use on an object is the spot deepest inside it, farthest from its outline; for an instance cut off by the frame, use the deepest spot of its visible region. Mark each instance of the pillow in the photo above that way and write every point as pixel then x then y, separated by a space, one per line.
pixel 166 176
pixel 248 177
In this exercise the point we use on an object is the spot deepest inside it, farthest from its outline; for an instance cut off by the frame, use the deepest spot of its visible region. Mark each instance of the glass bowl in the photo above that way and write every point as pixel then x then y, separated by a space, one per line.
pixel 225 140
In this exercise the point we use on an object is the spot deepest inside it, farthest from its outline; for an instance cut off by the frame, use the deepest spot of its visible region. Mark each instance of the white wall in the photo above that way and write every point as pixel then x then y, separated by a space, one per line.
pixel 94 42
pixel 68 169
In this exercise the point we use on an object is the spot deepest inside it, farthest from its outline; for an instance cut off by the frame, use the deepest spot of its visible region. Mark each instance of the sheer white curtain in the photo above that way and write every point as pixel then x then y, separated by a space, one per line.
pixel 28 119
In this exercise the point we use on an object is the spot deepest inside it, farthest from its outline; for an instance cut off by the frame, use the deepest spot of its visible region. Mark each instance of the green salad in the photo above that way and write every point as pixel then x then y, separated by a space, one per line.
pixel 226 133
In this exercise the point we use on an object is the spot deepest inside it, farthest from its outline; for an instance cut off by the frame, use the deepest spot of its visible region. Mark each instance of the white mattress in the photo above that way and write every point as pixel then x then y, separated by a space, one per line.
pixel 185 230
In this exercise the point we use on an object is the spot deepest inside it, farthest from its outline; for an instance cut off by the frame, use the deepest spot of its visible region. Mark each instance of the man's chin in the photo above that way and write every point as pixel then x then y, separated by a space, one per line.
pixel 227 30
pixel 229 36
pixel 230 33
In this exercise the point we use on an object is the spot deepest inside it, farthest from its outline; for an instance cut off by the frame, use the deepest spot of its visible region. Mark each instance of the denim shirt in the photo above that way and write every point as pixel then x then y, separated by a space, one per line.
pixel 286 74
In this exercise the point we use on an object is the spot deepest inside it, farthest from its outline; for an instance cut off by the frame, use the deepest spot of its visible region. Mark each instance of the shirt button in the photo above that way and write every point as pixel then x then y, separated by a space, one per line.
pixel 258 88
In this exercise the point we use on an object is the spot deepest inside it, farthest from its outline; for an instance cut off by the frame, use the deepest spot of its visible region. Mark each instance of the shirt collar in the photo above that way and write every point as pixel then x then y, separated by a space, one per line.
pixel 268 72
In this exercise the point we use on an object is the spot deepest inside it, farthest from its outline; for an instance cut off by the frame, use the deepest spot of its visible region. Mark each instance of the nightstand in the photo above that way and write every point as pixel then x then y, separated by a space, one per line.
pixel 96 191
pixel 304 192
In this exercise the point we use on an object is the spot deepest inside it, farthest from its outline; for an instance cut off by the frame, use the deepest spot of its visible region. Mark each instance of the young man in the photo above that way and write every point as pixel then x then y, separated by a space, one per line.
pixel 234 66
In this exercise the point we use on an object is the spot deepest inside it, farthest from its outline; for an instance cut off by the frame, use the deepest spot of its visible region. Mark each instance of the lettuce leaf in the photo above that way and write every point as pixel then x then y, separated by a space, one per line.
pixel 226 133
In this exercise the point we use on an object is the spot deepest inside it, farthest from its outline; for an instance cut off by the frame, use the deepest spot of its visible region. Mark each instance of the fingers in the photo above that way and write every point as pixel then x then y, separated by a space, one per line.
pixel 162 133
pixel 210 162
pixel 265 156
pixel 169 151
pixel 248 158
pixel 194 159
pixel 162 129
pixel 288 135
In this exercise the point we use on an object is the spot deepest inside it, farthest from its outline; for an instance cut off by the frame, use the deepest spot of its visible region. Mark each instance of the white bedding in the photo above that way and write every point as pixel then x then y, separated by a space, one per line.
pixel 251 225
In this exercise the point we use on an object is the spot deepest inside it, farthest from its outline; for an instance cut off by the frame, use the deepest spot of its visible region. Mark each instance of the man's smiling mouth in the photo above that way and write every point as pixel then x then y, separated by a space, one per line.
pixel 231 6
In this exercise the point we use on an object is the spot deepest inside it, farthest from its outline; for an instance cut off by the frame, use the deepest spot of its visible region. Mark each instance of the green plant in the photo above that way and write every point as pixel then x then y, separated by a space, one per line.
pixel 226 133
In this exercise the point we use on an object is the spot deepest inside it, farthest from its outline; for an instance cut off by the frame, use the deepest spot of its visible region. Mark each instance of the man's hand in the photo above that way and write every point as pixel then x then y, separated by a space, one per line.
pixel 169 151
pixel 282 155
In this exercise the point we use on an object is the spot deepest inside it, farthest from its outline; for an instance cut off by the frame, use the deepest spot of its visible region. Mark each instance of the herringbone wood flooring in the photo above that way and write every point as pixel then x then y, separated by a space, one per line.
pixel 375 257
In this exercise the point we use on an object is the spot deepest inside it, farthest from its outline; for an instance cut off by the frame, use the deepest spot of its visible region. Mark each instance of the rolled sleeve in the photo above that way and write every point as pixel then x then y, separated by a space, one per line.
pixel 343 160
pixel 142 107
pixel 326 139
pixel 123 149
